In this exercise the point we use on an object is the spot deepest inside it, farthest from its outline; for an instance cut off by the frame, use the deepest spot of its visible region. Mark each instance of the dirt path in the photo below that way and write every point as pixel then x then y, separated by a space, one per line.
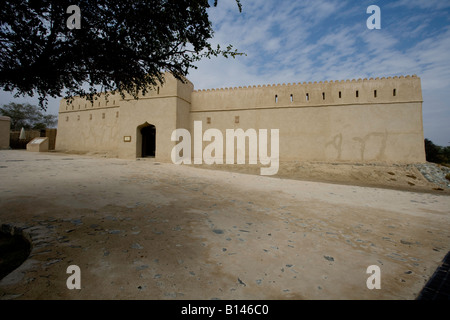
pixel 144 230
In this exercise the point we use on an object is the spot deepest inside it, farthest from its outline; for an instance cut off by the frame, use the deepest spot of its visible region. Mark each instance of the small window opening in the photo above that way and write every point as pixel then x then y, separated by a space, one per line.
pixel 357 93
pixel 276 98
pixel 375 93
pixel 157 90
pixel 394 93
pixel 323 95
pixel 307 97
pixel 208 120
pixel 292 98
pixel 340 94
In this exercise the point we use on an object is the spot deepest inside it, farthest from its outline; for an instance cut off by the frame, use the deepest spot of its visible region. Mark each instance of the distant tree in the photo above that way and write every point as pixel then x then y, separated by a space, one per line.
pixel 446 154
pixel 435 153
pixel 27 116
pixel 122 46
pixel 431 151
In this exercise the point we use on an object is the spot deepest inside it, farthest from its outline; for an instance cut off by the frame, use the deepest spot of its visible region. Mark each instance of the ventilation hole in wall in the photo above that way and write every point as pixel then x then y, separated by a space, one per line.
pixel 157 90
pixel 236 119
pixel 114 101
pixel 85 105
pixel 90 117
pixel 72 107
pixel 78 118
pixel 340 94
pixel 375 93
pixel 79 107
pixel 67 108
pixel 394 93
pixel 307 97
pixel 117 114
pixel 99 103
pixel 323 95
pixel 208 120
pixel 276 98
pixel 67 118
pixel 357 93
pixel 103 116
pixel 292 98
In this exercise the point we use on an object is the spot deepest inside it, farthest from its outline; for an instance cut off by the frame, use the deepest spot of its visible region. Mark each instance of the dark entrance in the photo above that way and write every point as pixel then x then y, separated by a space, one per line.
pixel 148 141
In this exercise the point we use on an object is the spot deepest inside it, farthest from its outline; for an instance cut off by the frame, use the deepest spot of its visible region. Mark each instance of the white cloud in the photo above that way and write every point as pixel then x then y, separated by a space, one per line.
pixel 422 4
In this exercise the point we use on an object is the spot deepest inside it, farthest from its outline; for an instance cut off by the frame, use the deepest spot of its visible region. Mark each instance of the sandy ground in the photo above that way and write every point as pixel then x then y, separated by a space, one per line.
pixel 148 230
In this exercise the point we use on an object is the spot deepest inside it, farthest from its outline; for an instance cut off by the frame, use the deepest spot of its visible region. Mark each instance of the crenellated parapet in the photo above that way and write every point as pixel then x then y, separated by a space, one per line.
pixel 77 104
pixel 309 94
pixel 169 89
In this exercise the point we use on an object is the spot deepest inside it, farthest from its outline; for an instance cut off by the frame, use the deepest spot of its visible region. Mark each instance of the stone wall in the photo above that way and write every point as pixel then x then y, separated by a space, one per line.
pixel 353 120
pixel 357 120
pixel 16 143
pixel 89 127
pixel 5 123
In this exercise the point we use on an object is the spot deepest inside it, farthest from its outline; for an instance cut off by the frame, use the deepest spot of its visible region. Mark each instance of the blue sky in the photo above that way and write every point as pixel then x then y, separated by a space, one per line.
pixel 290 41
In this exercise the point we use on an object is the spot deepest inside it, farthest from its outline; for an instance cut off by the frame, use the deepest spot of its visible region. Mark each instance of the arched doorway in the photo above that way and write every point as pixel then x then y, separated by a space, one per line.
pixel 148 144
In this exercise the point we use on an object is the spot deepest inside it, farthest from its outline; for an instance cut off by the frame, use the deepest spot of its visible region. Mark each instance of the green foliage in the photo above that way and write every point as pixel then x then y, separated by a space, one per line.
pixel 122 46
pixel 27 116
pixel 436 154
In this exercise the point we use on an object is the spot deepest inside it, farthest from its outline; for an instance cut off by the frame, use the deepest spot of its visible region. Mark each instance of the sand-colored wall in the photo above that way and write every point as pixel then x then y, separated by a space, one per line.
pixel 407 89
pixel 334 124
pixel 136 114
pixel 381 132
pixel 166 108
pixel 86 127
pixel 112 124
pixel 4 132
pixel 357 120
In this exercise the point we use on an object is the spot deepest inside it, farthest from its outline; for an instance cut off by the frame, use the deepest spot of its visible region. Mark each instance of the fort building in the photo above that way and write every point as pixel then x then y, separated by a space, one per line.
pixel 364 120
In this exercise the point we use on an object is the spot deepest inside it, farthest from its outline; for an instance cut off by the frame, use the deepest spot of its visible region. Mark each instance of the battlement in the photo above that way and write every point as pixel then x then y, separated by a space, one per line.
pixel 169 89
pixel 304 83
pixel 83 104
pixel 307 94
